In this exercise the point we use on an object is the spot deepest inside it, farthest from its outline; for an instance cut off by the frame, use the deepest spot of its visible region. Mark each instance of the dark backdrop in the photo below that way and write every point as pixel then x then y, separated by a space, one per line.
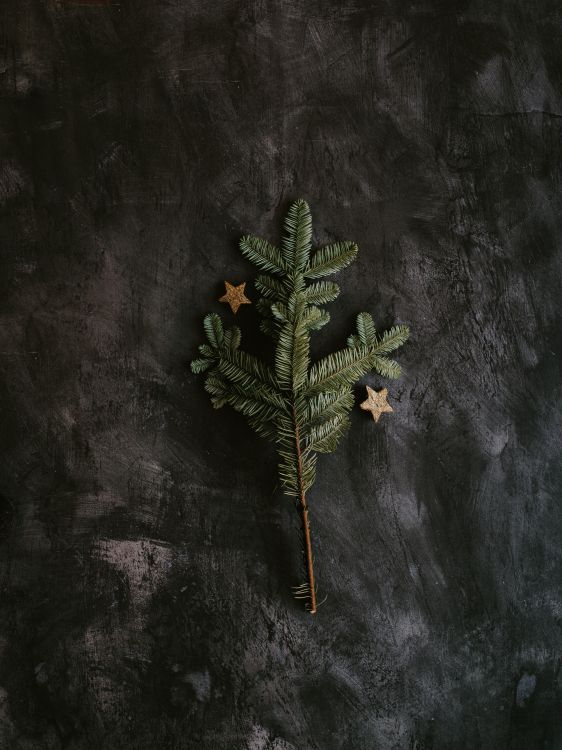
pixel 147 554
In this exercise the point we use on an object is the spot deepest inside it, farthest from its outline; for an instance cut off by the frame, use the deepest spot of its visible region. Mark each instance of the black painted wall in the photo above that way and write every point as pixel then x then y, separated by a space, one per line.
pixel 147 554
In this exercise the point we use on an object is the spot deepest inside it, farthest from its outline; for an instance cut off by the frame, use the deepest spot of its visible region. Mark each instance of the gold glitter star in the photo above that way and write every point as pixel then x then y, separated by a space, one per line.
pixel 235 296
pixel 376 403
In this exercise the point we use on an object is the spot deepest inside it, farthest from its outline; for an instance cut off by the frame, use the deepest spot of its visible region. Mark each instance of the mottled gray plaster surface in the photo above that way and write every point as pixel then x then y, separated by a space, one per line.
pixel 146 553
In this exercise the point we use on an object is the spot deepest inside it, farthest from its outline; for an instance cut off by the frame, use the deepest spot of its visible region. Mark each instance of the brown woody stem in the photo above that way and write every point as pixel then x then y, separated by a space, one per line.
pixel 305 521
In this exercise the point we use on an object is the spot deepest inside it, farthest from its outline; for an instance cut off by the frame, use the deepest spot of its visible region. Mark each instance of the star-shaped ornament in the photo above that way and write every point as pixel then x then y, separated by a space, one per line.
pixel 376 403
pixel 235 296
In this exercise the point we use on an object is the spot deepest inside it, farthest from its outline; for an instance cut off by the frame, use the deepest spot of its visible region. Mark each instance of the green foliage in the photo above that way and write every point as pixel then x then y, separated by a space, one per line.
pixel 303 407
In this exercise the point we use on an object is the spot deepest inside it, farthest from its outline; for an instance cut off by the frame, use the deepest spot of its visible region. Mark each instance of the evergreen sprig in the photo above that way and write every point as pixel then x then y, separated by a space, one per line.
pixel 304 407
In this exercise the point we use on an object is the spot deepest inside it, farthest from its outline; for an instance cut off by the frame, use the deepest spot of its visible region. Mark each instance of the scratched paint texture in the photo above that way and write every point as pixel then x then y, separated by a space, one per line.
pixel 146 552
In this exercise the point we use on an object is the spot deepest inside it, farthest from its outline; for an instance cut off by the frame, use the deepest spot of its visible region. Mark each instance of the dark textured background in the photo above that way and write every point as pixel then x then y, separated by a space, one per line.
pixel 147 555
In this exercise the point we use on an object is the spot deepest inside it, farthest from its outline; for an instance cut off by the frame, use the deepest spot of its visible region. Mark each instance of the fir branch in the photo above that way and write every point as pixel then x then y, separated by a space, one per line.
pixel 325 406
pixel 297 237
pixel 269 287
pixel 366 330
pixel 303 407
pixel 393 339
pixel 324 438
pixel 331 259
pixel 321 292
pixel 340 369
pixel 262 254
